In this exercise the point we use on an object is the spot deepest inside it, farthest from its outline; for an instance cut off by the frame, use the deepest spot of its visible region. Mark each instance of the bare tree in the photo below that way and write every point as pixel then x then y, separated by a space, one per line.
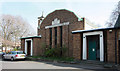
pixel 114 16
pixel 5 43
pixel 12 28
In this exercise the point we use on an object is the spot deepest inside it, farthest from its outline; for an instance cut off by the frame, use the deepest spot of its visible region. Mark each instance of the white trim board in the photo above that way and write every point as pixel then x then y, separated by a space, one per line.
pixel 31 46
pixel 56 23
pixel 101 44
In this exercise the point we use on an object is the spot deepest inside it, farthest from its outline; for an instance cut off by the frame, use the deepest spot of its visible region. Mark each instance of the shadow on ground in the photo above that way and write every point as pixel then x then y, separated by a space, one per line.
pixel 87 67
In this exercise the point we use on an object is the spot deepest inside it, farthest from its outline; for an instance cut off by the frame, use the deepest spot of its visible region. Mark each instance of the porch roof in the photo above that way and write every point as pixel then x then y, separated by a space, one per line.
pixel 91 30
pixel 31 37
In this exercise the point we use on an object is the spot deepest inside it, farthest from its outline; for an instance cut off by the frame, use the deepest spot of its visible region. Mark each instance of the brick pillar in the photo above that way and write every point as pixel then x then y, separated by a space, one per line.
pixel 47 37
pixel 65 36
pixel 111 46
pixel 53 37
pixel 65 39
pixel 58 36
pixel 23 44
pixel 77 46
pixel 118 37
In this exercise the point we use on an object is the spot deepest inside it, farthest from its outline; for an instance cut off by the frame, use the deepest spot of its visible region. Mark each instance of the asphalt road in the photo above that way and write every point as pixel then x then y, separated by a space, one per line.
pixel 37 66
pixel 0 63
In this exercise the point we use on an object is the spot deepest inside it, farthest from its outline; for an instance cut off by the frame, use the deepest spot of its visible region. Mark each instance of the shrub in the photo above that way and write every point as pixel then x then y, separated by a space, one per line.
pixel 49 53
pixel 55 52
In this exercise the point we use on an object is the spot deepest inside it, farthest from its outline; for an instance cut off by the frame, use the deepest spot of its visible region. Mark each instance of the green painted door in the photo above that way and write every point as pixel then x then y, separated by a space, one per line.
pixel 92 50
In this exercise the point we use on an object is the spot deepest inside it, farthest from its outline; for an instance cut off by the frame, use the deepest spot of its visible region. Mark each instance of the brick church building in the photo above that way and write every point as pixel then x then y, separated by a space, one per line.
pixel 83 39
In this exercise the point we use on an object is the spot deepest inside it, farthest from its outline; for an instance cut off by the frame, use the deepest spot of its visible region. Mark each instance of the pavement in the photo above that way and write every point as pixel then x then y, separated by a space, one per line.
pixel 43 65
pixel 118 68
pixel 0 63
pixel 46 66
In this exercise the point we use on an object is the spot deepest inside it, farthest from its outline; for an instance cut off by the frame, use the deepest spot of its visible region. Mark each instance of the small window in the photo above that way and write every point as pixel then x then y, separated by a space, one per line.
pixel 13 53
pixel 50 37
pixel 61 36
pixel 55 36
pixel 20 53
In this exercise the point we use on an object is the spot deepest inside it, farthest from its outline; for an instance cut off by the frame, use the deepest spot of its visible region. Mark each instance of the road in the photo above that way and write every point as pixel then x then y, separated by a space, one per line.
pixel 47 65
pixel 41 65
pixel 0 63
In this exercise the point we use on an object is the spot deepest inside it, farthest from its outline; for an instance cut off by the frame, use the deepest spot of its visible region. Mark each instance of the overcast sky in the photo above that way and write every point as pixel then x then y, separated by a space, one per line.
pixel 97 11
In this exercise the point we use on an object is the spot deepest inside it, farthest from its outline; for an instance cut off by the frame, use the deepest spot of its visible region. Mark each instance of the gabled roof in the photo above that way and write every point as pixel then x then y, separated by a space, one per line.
pixel 117 24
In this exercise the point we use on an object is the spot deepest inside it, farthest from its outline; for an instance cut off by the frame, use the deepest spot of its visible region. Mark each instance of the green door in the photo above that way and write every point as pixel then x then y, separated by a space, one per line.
pixel 92 50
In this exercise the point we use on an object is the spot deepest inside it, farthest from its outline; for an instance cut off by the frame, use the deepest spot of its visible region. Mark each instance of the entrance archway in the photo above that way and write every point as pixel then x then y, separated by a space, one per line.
pixel 93 47
pixel 100 33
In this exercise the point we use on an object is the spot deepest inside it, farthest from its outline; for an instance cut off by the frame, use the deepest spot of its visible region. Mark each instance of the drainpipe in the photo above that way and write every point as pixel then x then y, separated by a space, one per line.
pixel 116 46
pixel 68 41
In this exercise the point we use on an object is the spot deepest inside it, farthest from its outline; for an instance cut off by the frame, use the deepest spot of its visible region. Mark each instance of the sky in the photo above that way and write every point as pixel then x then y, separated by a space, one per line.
pixel 97 11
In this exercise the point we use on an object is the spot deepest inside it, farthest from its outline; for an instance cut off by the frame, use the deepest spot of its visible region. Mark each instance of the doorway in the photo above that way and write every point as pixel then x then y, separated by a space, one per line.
pixel 93 49
pixel 28 48
pixel 119 51
pixel 85 44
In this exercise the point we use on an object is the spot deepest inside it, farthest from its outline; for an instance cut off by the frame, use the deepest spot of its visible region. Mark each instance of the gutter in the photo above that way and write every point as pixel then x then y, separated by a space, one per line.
pixel 31 37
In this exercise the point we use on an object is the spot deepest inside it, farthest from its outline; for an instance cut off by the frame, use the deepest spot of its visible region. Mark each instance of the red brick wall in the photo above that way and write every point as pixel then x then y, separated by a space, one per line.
pixel 77 46
pixel 63 16
pixel 58 36
pixel 47 37
pixel 111 46
pixel 53 38
pixel 77 26
pixel 118 37
pixel 37 50
pixel 23 44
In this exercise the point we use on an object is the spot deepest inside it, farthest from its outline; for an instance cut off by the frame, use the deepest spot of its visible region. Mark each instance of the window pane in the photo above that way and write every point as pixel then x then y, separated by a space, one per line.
pixel 50 37
pixel 61 36
pixel 20 53
pixel 13 53
pixel 55 36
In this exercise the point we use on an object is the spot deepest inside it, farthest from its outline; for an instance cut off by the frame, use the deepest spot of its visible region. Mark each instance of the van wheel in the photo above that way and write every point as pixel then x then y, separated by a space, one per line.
pixel 12 58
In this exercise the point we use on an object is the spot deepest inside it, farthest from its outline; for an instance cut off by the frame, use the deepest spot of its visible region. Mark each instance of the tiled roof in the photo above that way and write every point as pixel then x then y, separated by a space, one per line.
pixel 117 24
